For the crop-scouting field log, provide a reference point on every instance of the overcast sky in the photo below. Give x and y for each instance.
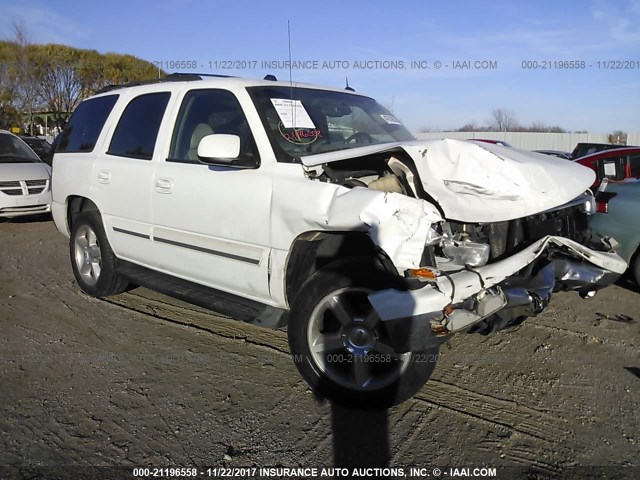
(383, 39)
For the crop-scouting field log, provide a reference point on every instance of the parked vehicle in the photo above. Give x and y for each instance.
(555, 153)
(41, 147)
(316, 207)
(502, 143)
(25, 182)
(617, 207)
(618, 164)
(584, 149)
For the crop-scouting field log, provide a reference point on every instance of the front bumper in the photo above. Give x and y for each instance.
(19, 206)
(457, 301)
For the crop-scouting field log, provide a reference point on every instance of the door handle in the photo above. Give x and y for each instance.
(104, 176)
(164, 185)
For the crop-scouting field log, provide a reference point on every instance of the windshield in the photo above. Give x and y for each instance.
(14, 150)
(304, 121)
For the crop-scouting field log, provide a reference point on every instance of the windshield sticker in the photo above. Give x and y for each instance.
(299, 136)
(390, 119)
(292, 113)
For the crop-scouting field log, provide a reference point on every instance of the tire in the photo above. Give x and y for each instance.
(92, 260)
(636, 269)
(342, 349)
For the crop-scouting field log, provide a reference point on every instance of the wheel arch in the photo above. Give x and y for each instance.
(77, 204)
(314, 251)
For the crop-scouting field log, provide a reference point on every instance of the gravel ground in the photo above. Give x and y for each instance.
(141, 379)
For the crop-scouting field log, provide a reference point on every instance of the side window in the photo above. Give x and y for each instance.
(85, 125)
(634, 166)
(137, 131)
(206, 112)
(611, 168)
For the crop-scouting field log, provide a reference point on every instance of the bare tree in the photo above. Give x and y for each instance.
(617, 137)
(469, 127)
(503, 120)
(60, 87)
(25, 71)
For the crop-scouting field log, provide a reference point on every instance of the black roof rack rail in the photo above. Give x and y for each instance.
(172, 77)
(215, 75)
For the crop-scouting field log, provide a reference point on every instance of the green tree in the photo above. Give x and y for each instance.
(56, 78)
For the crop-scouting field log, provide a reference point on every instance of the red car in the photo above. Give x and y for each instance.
(502, 143)
(618, 164)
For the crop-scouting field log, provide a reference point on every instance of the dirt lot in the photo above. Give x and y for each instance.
(144, 380)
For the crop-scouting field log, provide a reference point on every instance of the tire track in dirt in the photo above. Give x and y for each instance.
(479, 407)
(485, 408)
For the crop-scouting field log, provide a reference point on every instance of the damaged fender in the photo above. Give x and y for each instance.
(399, 225)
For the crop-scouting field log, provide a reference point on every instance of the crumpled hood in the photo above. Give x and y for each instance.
(483, 183)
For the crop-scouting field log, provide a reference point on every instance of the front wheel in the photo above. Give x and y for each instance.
(343, 350)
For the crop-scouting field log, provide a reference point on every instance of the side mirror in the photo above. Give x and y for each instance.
(221, 147)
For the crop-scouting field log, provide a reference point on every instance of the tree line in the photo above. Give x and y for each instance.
(504, 120)
(53, 78)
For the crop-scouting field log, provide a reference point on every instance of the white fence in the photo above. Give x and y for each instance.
(532, 141)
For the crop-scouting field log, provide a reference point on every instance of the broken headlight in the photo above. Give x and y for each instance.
(466, 252)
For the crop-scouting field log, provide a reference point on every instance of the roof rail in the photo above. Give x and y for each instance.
(216, 75)
(172, 77)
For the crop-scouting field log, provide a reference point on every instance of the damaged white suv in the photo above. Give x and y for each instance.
(291, 204)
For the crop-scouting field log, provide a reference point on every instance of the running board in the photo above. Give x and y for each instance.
(222, 302)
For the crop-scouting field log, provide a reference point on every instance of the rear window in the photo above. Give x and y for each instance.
(85, 125)
(137, 130)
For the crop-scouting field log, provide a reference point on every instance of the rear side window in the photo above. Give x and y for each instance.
(611, 168)
(634, 166)
(137, 131)
(85, 125)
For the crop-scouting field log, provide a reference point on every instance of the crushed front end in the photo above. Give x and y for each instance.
(482, 235)
(486, 277)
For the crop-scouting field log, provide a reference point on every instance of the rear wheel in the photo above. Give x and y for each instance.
(342, 348)
(92, 260)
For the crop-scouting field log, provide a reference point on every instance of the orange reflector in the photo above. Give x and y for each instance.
(422, 272)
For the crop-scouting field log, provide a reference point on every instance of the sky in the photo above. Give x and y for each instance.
(437, 65)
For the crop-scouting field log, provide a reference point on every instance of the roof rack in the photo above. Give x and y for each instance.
(172, 77)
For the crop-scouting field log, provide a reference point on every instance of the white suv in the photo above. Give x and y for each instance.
(292, 204)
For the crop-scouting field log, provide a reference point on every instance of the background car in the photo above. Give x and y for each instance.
(555, 153)
(502, 143)
(617, 206)
(618, 164)
(583, 149)
(43, 149)
(25, 181)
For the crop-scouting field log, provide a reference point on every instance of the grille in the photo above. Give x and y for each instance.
(35, 186)
(23, 187)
